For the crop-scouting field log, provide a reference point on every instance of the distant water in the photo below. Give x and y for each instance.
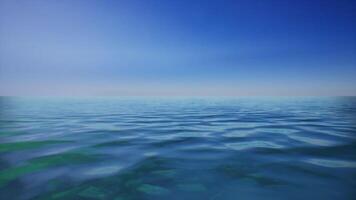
(178, 148)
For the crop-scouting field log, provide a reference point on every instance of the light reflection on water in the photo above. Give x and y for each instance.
(177, 148)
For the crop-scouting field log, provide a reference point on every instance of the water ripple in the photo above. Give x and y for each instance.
(177, 148)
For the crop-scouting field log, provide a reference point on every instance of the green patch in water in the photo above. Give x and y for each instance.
(64, 194)
(10, 174)
(235, 171)
(192, 187)
(10, 133)
(132, 183)
(41, 163)
(119, 198)
(243, 172)
(93, 192)
(152, 189)
(63, 159)
(165, 173)
(127, 185)
(17, 146)
(265, 181)
(53, 184)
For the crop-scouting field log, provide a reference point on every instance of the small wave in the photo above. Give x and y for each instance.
(332, 163)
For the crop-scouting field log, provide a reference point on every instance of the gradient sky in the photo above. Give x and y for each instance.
(182, 47)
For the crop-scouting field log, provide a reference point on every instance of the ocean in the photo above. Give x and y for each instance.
(178, 148)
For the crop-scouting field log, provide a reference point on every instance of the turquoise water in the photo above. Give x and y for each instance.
(178, 148)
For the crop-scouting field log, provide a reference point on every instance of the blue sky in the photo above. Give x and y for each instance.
(185, 47)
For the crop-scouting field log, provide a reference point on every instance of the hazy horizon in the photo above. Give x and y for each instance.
(177, 48)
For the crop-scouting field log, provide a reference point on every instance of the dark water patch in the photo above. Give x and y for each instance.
(249, 173)
(114, 143)
(177, 141)
(346, 151)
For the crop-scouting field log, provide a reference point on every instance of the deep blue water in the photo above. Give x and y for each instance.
(178, 148)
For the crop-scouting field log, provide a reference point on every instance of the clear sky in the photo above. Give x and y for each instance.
(177, 47)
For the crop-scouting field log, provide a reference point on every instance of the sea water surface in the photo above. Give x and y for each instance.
(178, 148)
